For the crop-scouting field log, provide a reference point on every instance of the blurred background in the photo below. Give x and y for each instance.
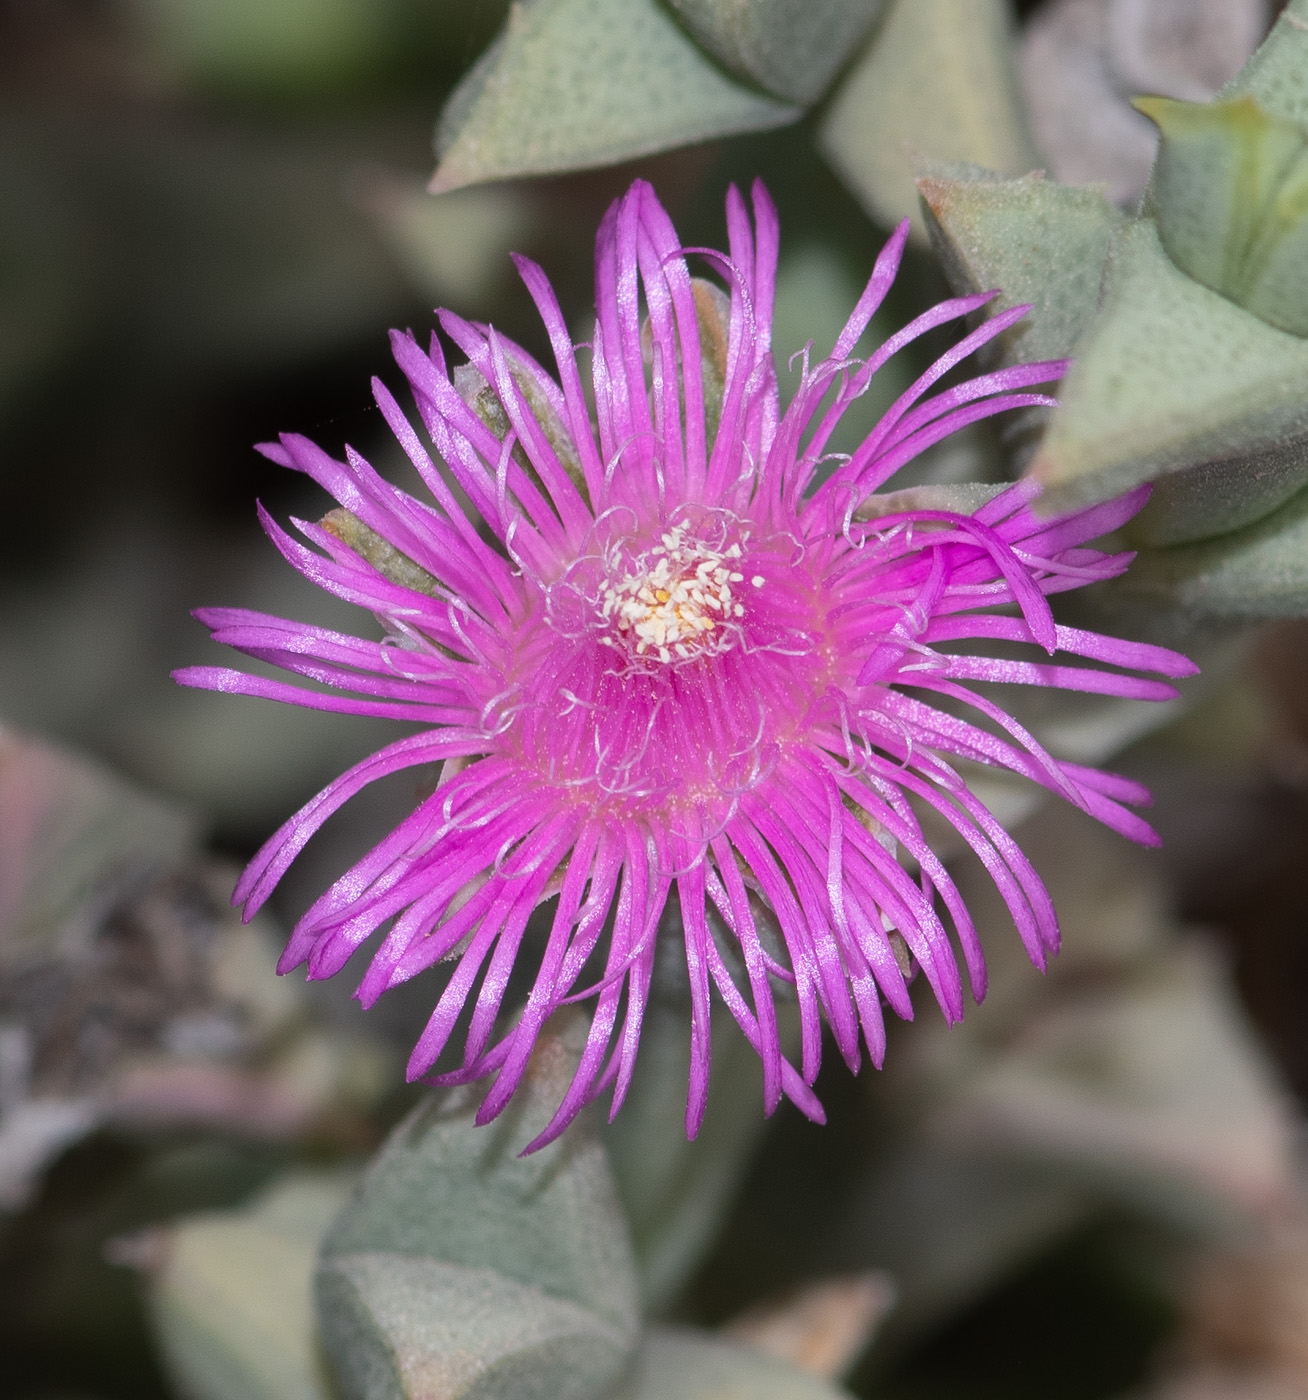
(211, 211)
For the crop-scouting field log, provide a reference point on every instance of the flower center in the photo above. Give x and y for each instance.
(677, 601)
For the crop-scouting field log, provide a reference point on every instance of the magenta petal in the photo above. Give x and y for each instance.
(640, 655)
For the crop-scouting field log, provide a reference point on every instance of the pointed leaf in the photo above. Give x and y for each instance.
(684, 1365)
(1230, 196)
(936, 84)
(966, 497)
(392, 564)
(1037, 241)
(457, 1256)
(443, 1188)
(1172, 376)
(1277, 75)
(576, 83)
(790, 47)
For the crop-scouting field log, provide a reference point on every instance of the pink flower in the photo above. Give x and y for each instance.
(662, 652)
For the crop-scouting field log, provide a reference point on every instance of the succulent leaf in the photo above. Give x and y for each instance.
(1041, 242)
(1252, 574)
(420, 1329)
(793, 48)
(459, 1259)
(1230, 196)
(576, 83)
(1215, 498)
(1172, 376)
(345, 526)
(937, 83)
(1277, 74)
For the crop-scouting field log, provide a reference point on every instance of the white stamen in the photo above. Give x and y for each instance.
(675, 598)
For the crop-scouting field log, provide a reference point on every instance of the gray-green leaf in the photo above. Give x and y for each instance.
(389, 562)
(966, 497)
(448, 1215)
(1255, 573)
(1035, 240)
(790, 47)
(419, 1329)
(1277, 75)
(936, 83)
(1173, 376)
(576, 83)
(1230, 196)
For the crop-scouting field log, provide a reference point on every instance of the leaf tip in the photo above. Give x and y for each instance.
(449, 177)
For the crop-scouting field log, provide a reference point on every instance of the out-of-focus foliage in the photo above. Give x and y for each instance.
(231, 1294)
(683, 1365)
(130, 994)
(1128, 1074)
(824, 1326)
(213, 210)
(269, 44)
(676, 1193)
